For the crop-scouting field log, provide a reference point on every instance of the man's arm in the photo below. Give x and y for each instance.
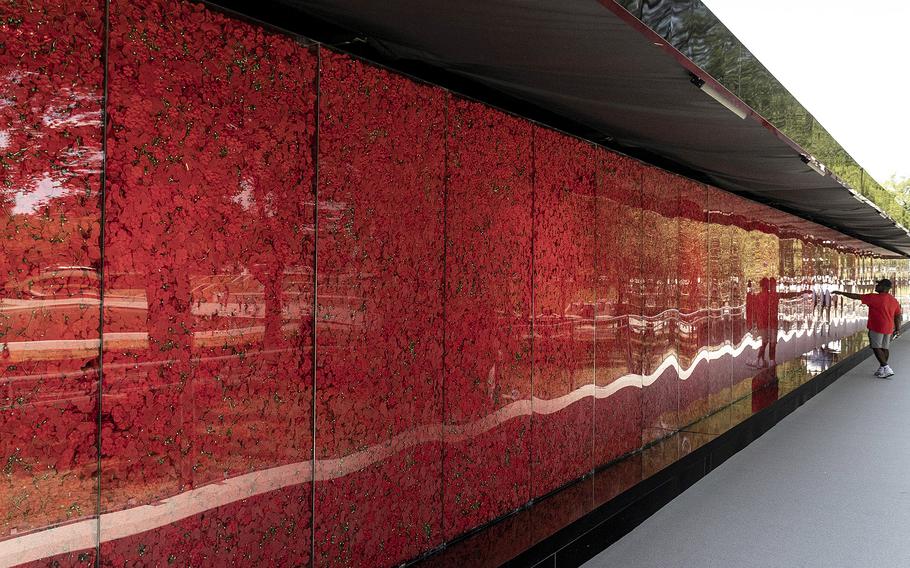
(897, 324)
(789, 295)
(848, 295)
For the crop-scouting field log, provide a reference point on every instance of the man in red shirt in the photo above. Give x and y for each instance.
(884, 322)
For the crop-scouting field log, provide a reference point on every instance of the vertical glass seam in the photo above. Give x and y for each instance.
(677, 301)
(105, 53)
(595, 256)
(531, 493)
(315, 150)
(640, 307)
(444, 290)
(709, 285)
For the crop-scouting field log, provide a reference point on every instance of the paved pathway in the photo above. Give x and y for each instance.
(829, 486)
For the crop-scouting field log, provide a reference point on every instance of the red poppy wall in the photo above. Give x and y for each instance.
(51, 85)
(379, 331)
(208, 312)
(269, 304)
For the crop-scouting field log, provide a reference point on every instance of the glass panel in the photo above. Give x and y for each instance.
(659, 246)
(617, 404)
(658, 303)
(660, 454)
(744, 349)
(565, 172)
(791, 290)
(51, 83)
(720, 271)
(380, 328)
(488, 316)
(206, 441)
(760, 261)
(694, 326)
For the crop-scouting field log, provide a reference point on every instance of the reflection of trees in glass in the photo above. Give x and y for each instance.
(690, 26)
(760, 256)
(900, 187)
(50, 151)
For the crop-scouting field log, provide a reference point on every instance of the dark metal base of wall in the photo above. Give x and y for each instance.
(591, 534)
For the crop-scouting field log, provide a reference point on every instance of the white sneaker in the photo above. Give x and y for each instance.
(887, 371)
(879, 372)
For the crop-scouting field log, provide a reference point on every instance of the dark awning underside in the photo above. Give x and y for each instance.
(596, 65)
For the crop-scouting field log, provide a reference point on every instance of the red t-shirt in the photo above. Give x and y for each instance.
(882, 309)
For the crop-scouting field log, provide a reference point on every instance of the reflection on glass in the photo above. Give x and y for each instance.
(207, 399)
(488, 298)
(659, 249)
(565, 307)
(617, 402)
(50, 218)
(690, 27)
(379, 327)
(498, 309)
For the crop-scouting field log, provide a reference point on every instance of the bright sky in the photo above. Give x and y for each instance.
(847, 62)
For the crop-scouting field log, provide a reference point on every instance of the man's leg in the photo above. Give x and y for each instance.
(881, 355)
(887, 371)
(760, 356)
(772, 344)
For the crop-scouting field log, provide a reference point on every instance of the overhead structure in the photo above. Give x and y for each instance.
(595, 64)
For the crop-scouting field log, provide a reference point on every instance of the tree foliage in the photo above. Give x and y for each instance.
(900, 188)
(693, 29)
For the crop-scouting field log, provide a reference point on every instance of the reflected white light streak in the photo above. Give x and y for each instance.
(127, 522)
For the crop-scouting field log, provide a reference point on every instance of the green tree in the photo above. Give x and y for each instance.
(900, 188)
(693, 29)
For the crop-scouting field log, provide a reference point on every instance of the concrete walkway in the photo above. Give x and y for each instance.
(829, 486)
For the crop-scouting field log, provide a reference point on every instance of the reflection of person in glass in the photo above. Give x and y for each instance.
(824, 300)
(765, 388)
(762, 316)
(884, 322)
